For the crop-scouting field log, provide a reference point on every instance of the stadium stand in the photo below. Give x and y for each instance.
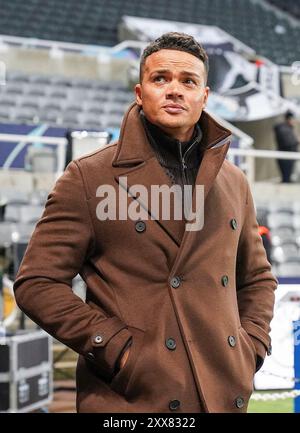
(60, 101)
(283, 220)
(290, 6)
(96, 21)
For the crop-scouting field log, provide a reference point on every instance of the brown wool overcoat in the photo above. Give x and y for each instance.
(197, 304)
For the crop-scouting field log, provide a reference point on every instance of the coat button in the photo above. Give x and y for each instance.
(171, 343)
(98, 339)
(174, 404)
(233, 223)
(175, 282)
(269, 351)
(140, 226)
(90, 355)
(231, 341)
(225, 280)
(239, 402)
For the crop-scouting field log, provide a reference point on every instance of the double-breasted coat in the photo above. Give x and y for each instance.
(196, 304)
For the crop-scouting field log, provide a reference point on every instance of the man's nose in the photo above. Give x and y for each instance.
(174, 89)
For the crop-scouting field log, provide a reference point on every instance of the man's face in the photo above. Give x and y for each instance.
(173, 92)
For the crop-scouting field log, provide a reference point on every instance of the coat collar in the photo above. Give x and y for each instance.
(135, 159)
(169, 150)
(133, 145)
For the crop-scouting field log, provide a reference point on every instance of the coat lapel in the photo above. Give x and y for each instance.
(211, 163)
(148, 174)
(210, 166)
(136, 164)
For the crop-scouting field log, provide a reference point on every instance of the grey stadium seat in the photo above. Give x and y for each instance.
(284, 252)
(276, 220)
(289, 269)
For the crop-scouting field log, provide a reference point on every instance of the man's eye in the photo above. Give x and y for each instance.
(159, 79)
(189, 81)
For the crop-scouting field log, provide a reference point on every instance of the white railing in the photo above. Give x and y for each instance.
(249, 155)
(58, 48)
(6, 40)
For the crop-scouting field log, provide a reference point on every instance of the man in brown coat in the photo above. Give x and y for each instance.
(177, 314)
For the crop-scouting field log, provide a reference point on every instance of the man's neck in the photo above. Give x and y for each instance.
(181, 136)
(170, 150)
(167, 133)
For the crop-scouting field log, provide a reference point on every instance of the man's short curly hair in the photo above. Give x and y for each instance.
(175, 41)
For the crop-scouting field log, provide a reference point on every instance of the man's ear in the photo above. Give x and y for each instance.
(206, 93)
(138, 94)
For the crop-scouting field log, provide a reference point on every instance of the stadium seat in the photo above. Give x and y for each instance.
(6, 230)
(56, 100)
(41, 160)
(289, 269)
(249, 21)
(12, 213)
(285, 252)
(276, 220)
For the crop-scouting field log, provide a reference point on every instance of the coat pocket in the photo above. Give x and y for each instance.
(121, 380)
(246, 337)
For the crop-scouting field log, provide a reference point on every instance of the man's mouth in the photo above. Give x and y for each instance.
(173, 108)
